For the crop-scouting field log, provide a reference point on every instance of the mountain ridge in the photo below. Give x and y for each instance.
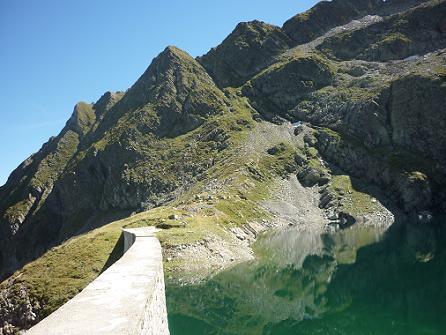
(173, 80)
(209, 139)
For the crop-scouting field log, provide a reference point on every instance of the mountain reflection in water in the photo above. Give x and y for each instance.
(355, 281)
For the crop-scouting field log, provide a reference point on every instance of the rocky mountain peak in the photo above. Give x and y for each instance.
(173, 71)
(248, 49)
(173, 95)
(255, 27)
(82, 119)
(173, 51)
(106, 101)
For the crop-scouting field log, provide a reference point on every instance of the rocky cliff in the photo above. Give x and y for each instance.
(362, 81)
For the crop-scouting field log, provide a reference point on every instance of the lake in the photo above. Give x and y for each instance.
(353, 281)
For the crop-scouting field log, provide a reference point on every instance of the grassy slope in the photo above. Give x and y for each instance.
(65, 270)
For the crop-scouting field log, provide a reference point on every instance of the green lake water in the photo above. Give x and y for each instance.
(355, 281)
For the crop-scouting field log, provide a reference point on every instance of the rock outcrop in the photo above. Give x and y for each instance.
(285, 83)
(251, 47)
(414, 32)
(325, 15)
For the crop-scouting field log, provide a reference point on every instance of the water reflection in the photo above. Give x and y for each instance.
(355, 281)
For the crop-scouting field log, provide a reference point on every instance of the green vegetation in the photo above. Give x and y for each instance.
(354, 201)
(250, 47)
(63, 271)
(83, 118)
(392, 38)
(395, 37)
(440, 70)
(53, 165)
(43, 170)
(303, 60)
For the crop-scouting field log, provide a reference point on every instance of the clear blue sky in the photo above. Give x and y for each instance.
(55, 53)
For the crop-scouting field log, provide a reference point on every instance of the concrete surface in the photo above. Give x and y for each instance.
(128, 298)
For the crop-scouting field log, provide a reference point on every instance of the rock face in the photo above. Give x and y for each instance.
(410, 188)
(17, 309)
(283, 84)
(414, 32)
(313, 23)
(175, 92)
(417, 115)
(31, 184)
(248, 49)
(374, 95)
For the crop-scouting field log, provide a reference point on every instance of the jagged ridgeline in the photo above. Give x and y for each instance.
(129, 151)
(367, 76)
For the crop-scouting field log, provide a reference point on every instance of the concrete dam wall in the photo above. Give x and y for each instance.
(128, 298)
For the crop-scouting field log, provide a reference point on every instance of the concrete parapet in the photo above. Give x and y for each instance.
(127, 299)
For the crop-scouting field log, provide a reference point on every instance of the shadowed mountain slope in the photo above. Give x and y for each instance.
(118, 155)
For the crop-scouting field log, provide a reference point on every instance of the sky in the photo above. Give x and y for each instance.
(56, 53)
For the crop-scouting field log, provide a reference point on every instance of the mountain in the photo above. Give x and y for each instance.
(106, 158)
(248, 49)
(326, 15)
(208, 144)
